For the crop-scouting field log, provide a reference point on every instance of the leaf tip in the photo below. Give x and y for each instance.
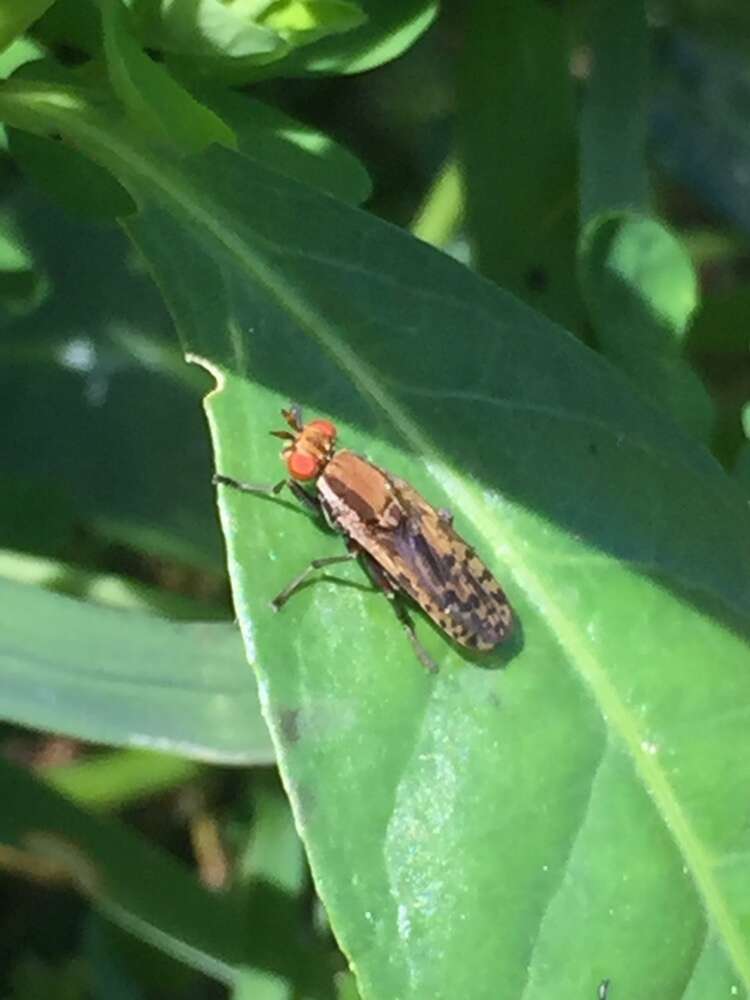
(211, 368)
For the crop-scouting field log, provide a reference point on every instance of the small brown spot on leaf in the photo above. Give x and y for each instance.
(289, 724)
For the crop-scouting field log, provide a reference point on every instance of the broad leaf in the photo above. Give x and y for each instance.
(613, 122)
(109, 589)
(575, 816)
(75, 182)
(638, 280)
(21, 51)
(642, 290)
(151, 96)
(390, 28)
(305, 21)
(289, 146)
(15, 18)
(116, 779)
(95, 390)
(127, 678)
(521, 176)
(22, 288)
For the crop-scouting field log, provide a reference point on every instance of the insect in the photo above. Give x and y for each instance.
(407, 546)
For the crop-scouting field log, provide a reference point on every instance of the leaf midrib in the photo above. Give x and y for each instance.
(572, 639)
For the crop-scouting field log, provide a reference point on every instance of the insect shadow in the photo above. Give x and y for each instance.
(498, 659)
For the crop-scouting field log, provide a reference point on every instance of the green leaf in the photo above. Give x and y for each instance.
(642, 291)
(613, 122)
(16, 17)
(630, 262)
(636, 277)
(117, 779)
(273, 851)
(125, 967)
(289, 146)
(103, 588)
(391, 27)
(19, 52)
(151, 96)
(518, 143)
(208, 28)
(303, 21)
(346, 986)
(575, 816)
(77, 184)
(73, 24)
(82, 457)
(137, 886)
(22, 286)
(441, 213)
(252, 984)
(226, 41)
(127, 679)
(271, 875)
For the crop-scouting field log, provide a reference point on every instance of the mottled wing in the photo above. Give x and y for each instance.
(418, 548)
(456, 589)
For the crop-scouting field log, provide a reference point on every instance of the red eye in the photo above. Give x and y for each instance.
(302, 466)
(325, 427)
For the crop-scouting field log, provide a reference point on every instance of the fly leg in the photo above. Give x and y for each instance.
(261, 491)
(393, 593)
(280, 600)
(376, 573)
(405, 618)
(312, 503)
(306, 499)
